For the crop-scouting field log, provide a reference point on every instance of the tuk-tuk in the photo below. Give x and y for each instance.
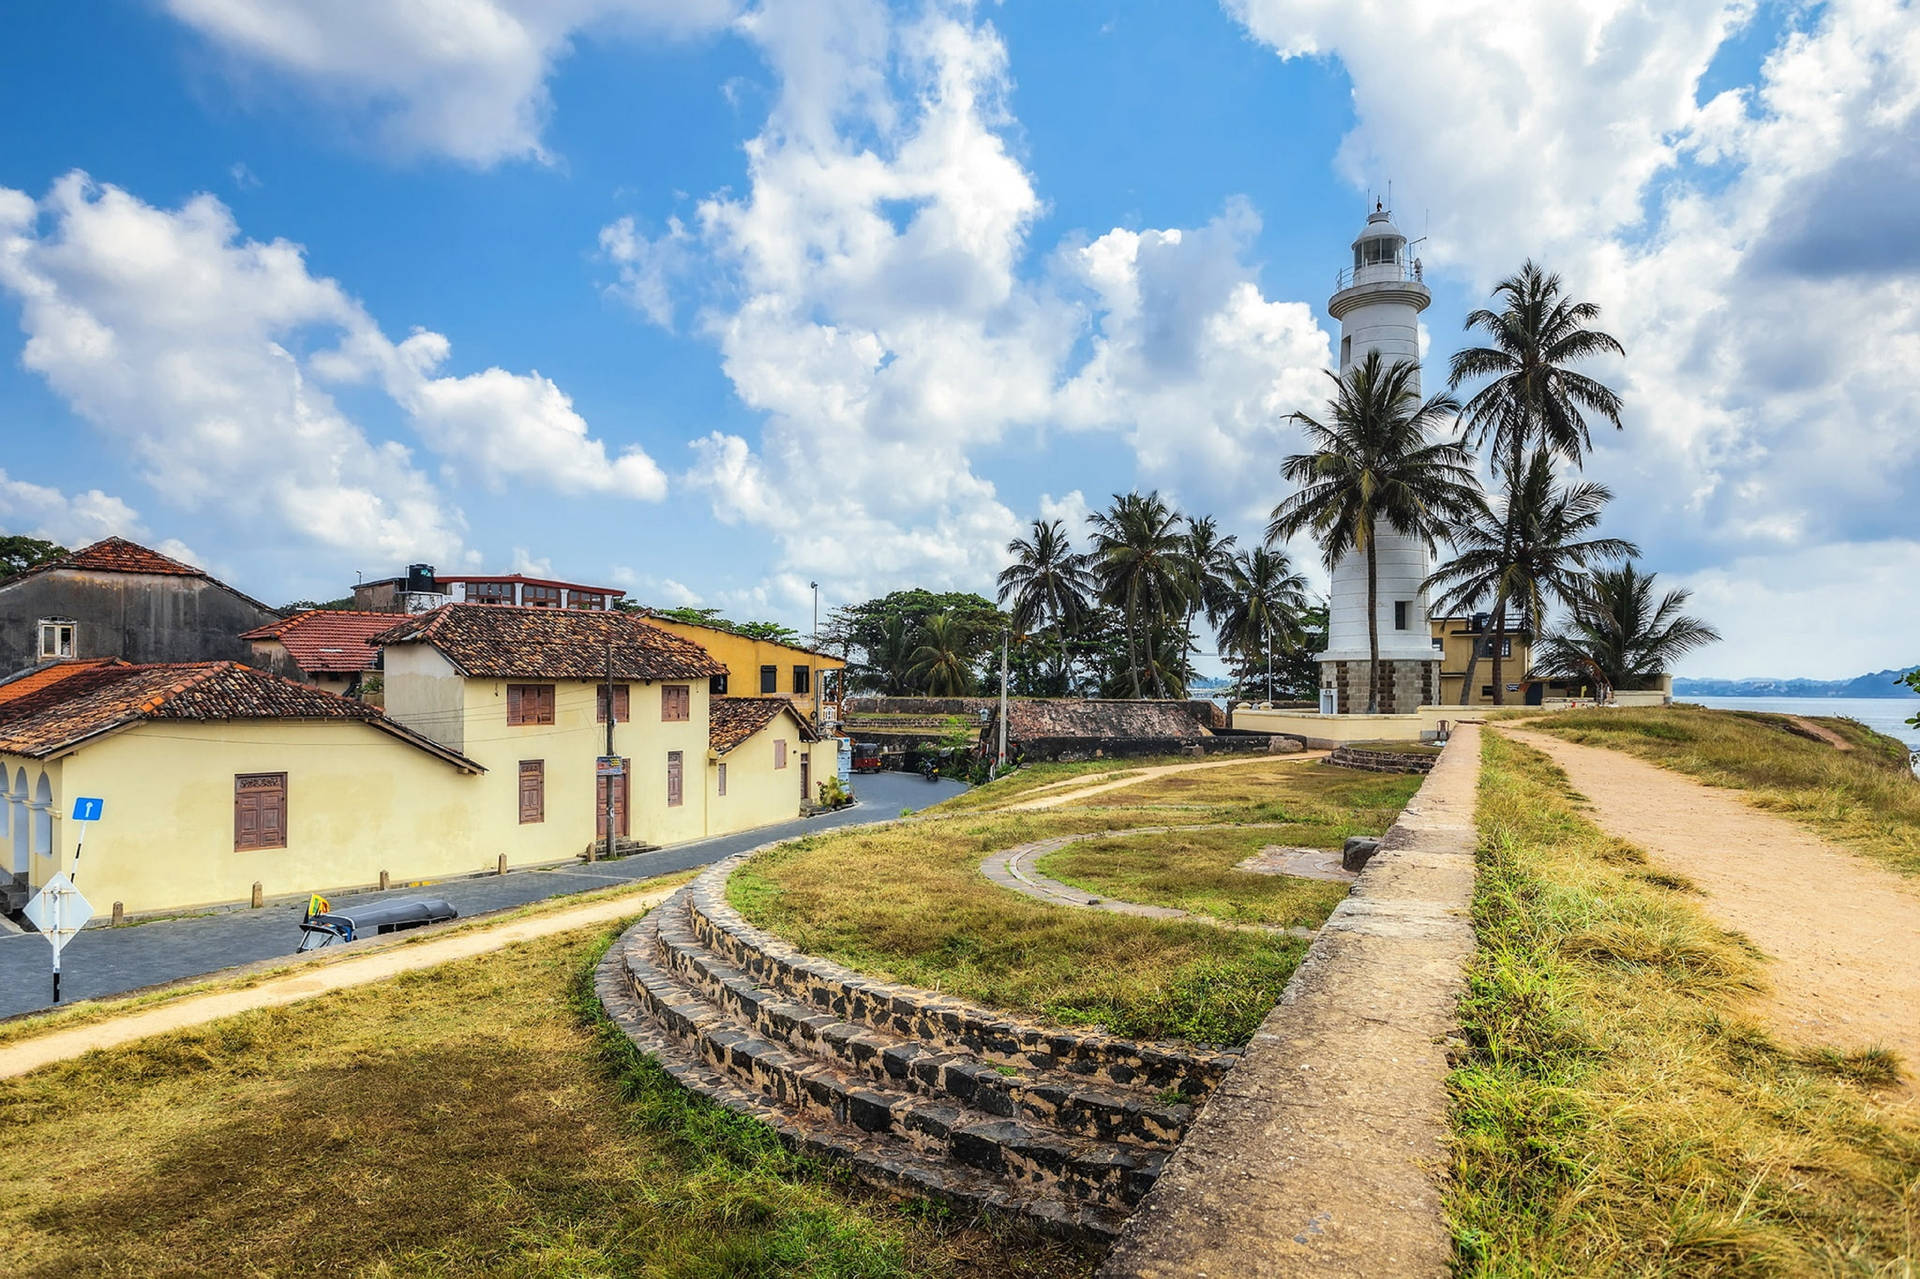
(375, 919)
(866, 757)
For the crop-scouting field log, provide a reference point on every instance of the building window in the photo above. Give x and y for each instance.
(489, 592)
(586, 599)
(540, 596)
(723, 779)
(533, 791)
(779, 752)
(676, 703)
(620, 704)
(529, 703)
(769, 679)
(1400, 610)
(56, 639)
(802, 679)
(259, 811)
(717, 686)
(676, 777)
(1506, 646)
(1346, 350)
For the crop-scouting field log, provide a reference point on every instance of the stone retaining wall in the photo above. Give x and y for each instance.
(1378, 761)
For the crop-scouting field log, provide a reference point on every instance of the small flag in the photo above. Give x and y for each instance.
(318, 905)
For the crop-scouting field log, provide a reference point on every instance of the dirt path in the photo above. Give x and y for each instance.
(30, 1054)
(1084, 787)
(1844, 933)
(1814, 728)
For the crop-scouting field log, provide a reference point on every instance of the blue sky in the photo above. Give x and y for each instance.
(714, 299)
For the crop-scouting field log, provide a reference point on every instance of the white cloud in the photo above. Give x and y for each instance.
(188, 346)
(884, 311)
(38, 510)
(1071, 509)
(460, 78)
(1830, 611)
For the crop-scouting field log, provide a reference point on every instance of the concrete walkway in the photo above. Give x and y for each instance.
(1322, 1152)
(113, 961)
(1015, 868)
(320, 978)
(1055, 794)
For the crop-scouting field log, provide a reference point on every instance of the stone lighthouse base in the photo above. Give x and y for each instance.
(1406, 684)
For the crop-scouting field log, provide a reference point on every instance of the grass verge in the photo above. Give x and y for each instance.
(1023, 781)
(1193, 870)
(474, 1118)
(1614, 1112)
(1866, 798)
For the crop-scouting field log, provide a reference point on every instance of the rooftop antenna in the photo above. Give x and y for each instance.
(1389, 195)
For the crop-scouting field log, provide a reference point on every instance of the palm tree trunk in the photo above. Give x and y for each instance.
(1499, 629)
(1473, 663)
(1133, 658)
(1373, 631)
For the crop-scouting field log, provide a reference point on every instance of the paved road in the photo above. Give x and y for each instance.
(106, 961)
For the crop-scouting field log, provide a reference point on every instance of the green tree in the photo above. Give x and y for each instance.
(1261, 607)
(943, 663)
(1141, 564)
(18, 553)
(1375, 461)
(1210, 555)
(1051, 590)
(1535, 548)
(1912, 680)
(1532, 398)
(877, 637)
(1619, 637)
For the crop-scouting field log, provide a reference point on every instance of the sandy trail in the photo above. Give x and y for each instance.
(1844, 933)
(1086, 787)
(30, 1054)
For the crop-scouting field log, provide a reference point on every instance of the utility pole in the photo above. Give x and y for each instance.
(1269, 661)
(1005, 635)
(813, 647)
(610, 755)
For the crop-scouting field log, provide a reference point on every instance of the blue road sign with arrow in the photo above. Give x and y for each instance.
(87, 810)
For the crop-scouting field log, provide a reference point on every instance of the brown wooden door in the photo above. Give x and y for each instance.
(676, 777)
(806, 778)
(620, 792)
(259, 811)
(533, 790)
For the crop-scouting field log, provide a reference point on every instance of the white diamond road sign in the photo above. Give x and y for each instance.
(58, 910)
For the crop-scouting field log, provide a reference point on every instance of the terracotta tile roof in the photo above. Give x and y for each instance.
(37, 678)
(327, 640)
(1030, 719)
(103, 698)
(732, 720)
(118, 555)
(496, 641)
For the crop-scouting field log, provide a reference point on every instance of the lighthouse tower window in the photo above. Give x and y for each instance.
(1400, 611)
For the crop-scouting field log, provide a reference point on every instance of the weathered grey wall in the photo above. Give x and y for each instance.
(141, 617)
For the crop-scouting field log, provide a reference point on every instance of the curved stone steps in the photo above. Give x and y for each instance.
(939, 1020)
(896, 1167)
(893, 1060)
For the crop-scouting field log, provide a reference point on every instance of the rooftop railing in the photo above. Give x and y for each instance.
(1379, 273)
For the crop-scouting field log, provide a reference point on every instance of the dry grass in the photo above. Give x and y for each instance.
(908, 903)
(475, 1118)
(1615, 1113)
(1193, 870)
(1867, 798)
(1023, 781)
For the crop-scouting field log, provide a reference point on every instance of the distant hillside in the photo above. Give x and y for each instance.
(1878, 684)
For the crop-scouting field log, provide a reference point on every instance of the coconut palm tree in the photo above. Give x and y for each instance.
(1050, 585)
(1264, 599)
(1532, 398)
(1141, 564)
(942, 664)
(1211, 556)
(1535, 548)
(1375, 461)
(1619, 637)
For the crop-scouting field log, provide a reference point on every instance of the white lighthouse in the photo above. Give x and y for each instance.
(1378, 303)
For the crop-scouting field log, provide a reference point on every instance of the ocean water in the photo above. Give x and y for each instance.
(1887, 715)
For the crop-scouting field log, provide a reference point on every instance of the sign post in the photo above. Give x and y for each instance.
(59, 911)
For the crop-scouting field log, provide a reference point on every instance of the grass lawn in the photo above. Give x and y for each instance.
(908, 903)
(1614, 1112)
(1866, 798)
(475, 1118)
(1193, 870)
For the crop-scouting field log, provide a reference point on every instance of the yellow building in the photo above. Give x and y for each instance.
(1458, 637)
(217, 776)
(758, 667)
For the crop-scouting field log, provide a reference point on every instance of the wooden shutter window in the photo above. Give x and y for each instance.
(529, 704)
(259, 811)
(779, 752)
(676, 703)
(621, 704)
(801, 681)
(769, 679)
(723, 779)
(533, 791)
(676, 776)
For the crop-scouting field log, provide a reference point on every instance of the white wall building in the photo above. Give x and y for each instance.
(1378, 303)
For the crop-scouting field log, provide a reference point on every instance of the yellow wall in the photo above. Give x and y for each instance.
(359, 801)
(743, 658)
(1458, 650)
(758, 794)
